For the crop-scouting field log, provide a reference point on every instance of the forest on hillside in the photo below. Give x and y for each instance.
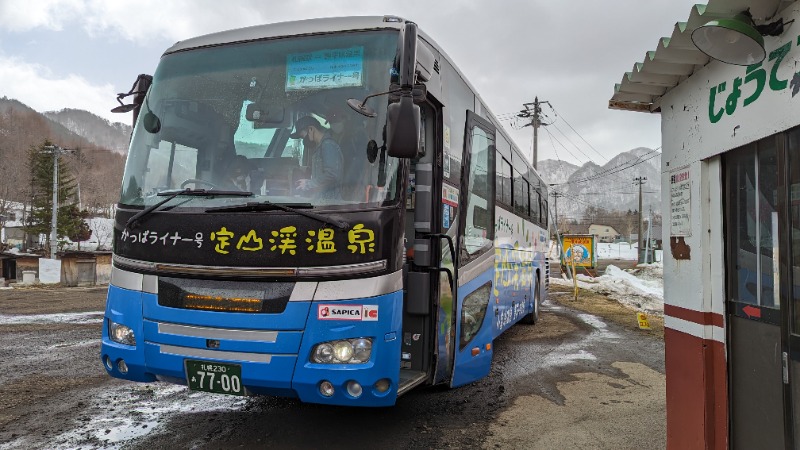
(97, 169)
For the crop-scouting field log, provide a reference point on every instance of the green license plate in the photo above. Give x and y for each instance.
(219, 378)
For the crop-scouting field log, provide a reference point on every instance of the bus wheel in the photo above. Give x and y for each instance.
(532, 318)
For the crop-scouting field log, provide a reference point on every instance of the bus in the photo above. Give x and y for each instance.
(230, 278)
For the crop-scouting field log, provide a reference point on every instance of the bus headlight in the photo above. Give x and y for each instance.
(121, 334)
(345, 351)
(323, 353)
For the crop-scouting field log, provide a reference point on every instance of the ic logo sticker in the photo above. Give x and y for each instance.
(370, 313)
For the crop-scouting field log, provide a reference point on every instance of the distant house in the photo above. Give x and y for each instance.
(604, 233)
(12, 231)
(574, 228)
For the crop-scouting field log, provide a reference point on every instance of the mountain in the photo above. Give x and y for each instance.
(98, 168)
(557, 172)
(591, 188)
(113, 136)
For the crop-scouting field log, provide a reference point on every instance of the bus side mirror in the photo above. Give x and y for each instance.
(402, 129)
(138, 91)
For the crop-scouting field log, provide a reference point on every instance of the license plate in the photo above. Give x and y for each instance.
(219, 378)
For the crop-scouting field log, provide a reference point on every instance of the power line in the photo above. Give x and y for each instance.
(554, 148)
(579, 135)
(559, 143)
(568, 140)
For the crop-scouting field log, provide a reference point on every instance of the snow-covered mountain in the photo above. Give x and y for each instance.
(113, 136)
(610, 186)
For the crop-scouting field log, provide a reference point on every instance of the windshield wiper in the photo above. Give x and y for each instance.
(268, 206)
(137, 218)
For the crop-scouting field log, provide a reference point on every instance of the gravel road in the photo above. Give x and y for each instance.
(584, 377)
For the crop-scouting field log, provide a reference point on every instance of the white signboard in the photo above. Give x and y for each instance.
(325, 69)
(680, 183)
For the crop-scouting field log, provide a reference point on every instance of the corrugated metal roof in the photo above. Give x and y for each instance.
(676, 58)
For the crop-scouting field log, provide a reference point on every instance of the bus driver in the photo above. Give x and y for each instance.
(326, 160)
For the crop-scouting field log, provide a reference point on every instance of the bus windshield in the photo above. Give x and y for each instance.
(236, 117)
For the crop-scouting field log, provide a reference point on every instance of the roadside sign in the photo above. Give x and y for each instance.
(644, 324)
(580, 248)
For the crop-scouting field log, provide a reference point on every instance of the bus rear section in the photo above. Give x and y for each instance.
(334, 342)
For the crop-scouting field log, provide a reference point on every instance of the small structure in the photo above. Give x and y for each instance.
(26, 262)
(604, 233)
(85, 268)
(8, 267)
(730, 177)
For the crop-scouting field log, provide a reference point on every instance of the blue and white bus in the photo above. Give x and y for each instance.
(230, 279)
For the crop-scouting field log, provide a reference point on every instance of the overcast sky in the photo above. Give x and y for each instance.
(58, 54)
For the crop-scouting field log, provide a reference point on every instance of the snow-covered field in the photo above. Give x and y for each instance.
(641, 288)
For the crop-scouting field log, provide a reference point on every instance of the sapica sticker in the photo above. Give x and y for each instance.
(347, 312)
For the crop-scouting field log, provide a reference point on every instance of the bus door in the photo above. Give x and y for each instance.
(475, 257)
(419, 308)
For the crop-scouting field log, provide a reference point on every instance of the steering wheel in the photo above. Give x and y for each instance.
(197, 181)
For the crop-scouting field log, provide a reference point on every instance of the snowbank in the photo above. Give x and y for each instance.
(641, 288)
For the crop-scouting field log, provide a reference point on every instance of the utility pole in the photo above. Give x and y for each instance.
(640, 181)
(533, 111)
(55, 150)
(647, 258)
(556, 195)
(54, 220)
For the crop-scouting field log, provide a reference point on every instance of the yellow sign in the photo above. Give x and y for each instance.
(644, 324)
(579, 249)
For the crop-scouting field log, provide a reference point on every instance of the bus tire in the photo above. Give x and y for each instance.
(533, 317)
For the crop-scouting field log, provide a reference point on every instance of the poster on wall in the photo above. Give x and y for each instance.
(680, 183)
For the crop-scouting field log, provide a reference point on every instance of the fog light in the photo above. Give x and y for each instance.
(123, 368)
(382, 385)
(354, 389)
(326, 388)
(121, 334)
(109, 364)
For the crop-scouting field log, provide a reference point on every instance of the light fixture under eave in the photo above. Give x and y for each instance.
(732, 41)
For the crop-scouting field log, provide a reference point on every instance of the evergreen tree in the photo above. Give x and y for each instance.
(40, 167)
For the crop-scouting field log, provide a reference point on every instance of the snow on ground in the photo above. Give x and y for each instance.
(619, 250)
(641, 288)
(139, 410)
(83, 317)
(130, 411)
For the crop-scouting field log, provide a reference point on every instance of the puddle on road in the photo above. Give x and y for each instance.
(76, 318)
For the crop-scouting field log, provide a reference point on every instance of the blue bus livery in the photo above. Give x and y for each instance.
(320, 209)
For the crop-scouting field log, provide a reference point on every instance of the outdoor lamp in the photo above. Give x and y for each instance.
(736, 40)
